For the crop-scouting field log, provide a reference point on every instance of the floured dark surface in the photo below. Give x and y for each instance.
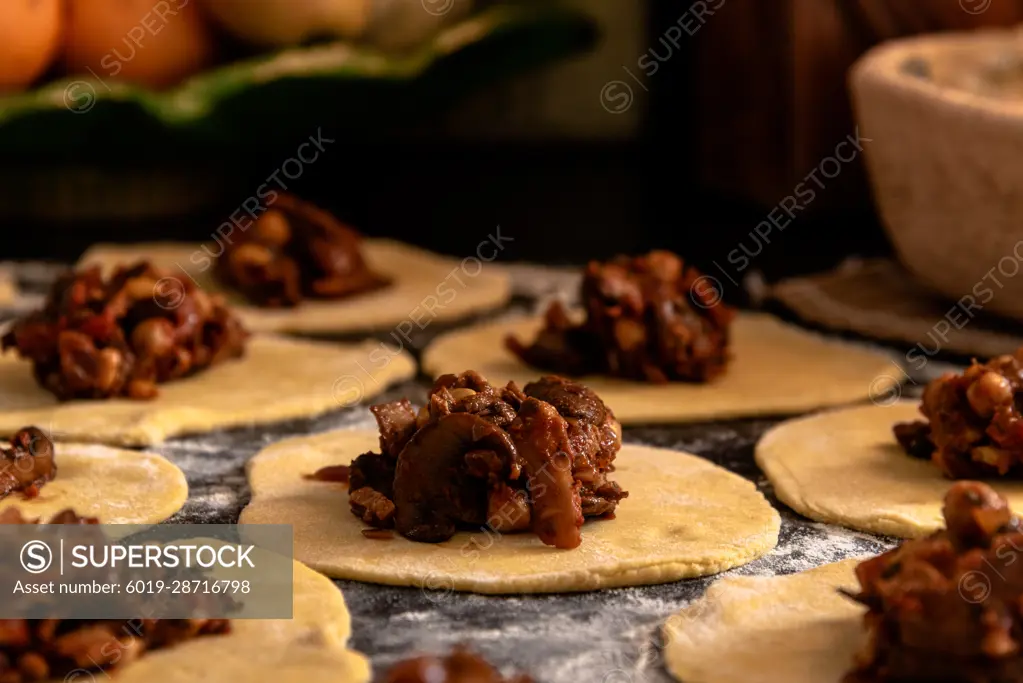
(605, 637)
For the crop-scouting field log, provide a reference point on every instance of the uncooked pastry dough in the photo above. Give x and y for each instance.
(117, 486)
(684, 517)
(777, 369)
(309, 648)
(426, 288)
(780, 629)
(8, 289)
(845, 467)
(278, 379)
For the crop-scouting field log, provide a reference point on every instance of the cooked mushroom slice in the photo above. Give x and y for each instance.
(433, 489)
(541, 438)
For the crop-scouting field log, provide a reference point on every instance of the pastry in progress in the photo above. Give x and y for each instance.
(41, 479)
(424, 288)
(277, 379)
(941, 608)
(777, 368)
(845, 467)
(780, 629)
(973, 427)
(309, 648)
(648, 318)
(466, 522)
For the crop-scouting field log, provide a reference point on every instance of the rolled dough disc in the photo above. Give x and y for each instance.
(117, 486)
(684, 517)
(277, 379)
(845, 467)
(780, 629)
(309, 648)
(426, 288)
(8, 288)
(777, 369)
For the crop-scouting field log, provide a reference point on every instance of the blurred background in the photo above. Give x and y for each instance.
(583, 128)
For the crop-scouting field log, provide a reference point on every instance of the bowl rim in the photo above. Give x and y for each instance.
(882, 65)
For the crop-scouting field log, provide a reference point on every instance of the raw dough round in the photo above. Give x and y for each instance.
(8, 288)
(845, 467)
(426, 288)
(278, 379)
(309, 648)
(117, 486)
(684, 517)
(780, 629)
(777, 369)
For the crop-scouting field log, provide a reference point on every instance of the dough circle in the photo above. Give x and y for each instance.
(309, 648)
(777, 369)
(845, 467)
(8, 288)
(684, 517)
(779, 629)
(117, 486)
(426, 288)
(277, 379)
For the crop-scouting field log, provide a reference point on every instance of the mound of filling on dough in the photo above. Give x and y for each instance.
(974, 429)
(948, 607)
(481, 456)
(461, 666)
(295, 251)
(650, 318)
(119, 336)
(34, 650)
(28, 464)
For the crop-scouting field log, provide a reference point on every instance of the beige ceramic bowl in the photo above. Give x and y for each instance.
(944, 115)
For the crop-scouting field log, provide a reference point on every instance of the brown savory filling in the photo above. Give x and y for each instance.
(948, 607)
(34, 650)
(296, 251)
(103, 337)
(461, 666)
(480, 456)
(650, 318)
(974, 428)
(27, 464)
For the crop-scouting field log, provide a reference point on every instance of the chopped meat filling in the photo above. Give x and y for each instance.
(974, 428)
(296, 251)
(948, 607)
(35, 650)
(461, 666)
(650, 318)
(120, 336)
(27, 464)
(481, 456)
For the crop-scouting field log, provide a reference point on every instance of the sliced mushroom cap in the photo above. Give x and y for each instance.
(433, 492)
(541, 439)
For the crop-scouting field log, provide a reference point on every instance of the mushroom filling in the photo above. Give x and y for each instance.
(119, 336)
(33, 650)
(478, 456)
(27, 464)
(974, 427)
(947, 607)
(461, 666)
(295, 251)
(650, 318)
